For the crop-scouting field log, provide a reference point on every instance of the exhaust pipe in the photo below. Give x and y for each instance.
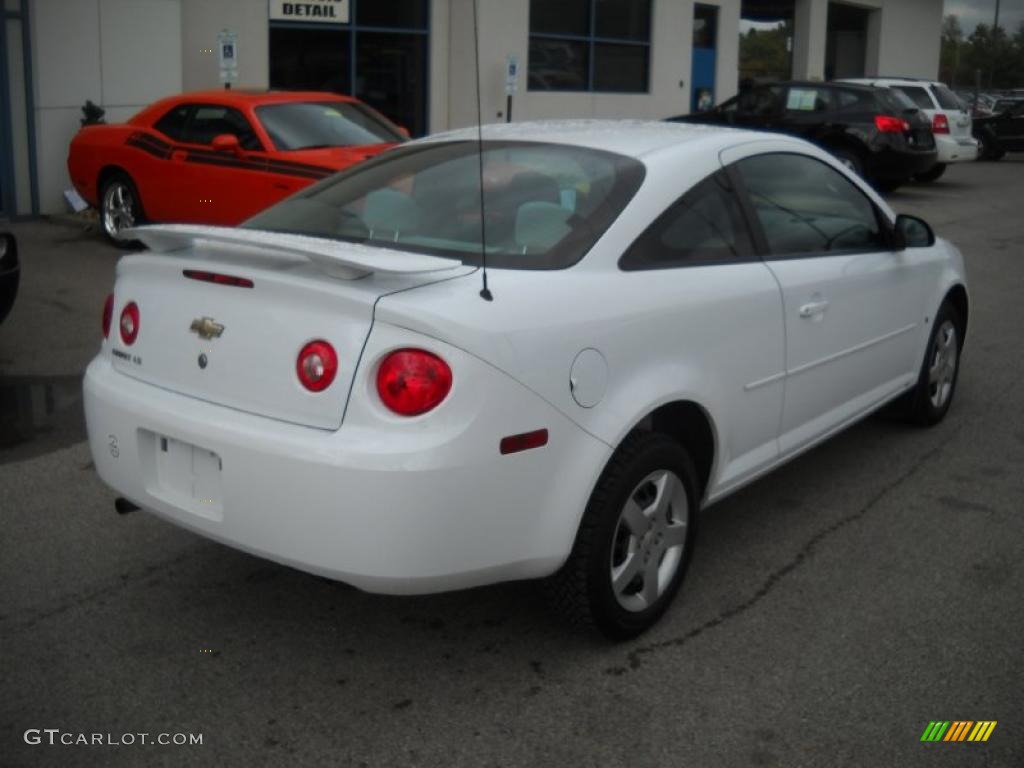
(122, 506)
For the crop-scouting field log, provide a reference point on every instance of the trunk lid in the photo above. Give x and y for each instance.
(251, 364)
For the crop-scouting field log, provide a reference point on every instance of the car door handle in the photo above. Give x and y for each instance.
(813, 308)
(179, 155)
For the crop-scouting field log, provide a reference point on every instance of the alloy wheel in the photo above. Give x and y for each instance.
(942, 371)
(649, 540)
(118, 208)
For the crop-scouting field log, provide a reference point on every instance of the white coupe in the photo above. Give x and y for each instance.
(672, 312)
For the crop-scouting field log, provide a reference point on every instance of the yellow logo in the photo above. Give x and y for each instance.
(206, 328)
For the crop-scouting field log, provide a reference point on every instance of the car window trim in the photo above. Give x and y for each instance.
(755, 255)
(740, 188)
(193, 108)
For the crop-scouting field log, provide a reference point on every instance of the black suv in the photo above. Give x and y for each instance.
(877, 132)
(1002, 131)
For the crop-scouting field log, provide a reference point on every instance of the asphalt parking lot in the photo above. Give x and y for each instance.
(833, 608)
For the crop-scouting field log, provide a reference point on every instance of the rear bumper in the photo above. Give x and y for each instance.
(955, 150)
(407, 510)
(898, 164)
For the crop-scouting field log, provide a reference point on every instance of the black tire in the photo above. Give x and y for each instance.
(850, 158)
(932, 173)
(988, 148)
(583, 589)
(119, 194)
(920, 405)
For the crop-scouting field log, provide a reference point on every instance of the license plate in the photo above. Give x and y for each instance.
(188, 476)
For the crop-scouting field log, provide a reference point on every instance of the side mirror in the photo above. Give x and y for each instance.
(226, 142)
(912, 232)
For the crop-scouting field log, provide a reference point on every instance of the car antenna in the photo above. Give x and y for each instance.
(485, 292)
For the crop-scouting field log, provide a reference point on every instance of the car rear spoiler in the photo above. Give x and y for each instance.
(343, 260)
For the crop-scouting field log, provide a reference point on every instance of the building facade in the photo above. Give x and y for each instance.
(415, 60)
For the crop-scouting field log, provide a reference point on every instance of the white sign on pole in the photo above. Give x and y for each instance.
(227, 49)
(511, 74)
(321, 11)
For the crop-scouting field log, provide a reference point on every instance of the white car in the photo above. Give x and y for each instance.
(951, 121)
(672, 312)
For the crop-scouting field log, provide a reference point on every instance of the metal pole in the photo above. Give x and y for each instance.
(995, 24)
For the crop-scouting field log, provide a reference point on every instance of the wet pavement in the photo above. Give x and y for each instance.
(39, 415)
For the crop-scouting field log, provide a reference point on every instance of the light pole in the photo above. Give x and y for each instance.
(995, 24)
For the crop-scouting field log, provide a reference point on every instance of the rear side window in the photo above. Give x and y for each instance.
(946, 98)
(806, 207)
(173, 123)
(917, 94)
(850, 100)
(212, 120)
(704, 226)
(808, 99)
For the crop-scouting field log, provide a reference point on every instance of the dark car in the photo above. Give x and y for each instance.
(876, 132)
(9, 273)
(1002, 131)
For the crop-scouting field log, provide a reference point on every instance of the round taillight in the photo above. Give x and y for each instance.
(412, 381)
(317, 365)
(130, 323)
(108, 315)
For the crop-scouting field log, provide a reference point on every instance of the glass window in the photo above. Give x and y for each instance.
(212, 120)
(806, 207)
(407, 14)
(172, 125)
(946, 98)
(705, 32)
(310, 59)
(308, 125)
(560, 17)
(622, 19)
(589, 45)
(896, 101)
(803, 99)
(705, 225)
(918, 94)
(391, 76)
(757, 102)
(620, 67)
(851, 100)
(558, 65)
(545, 205)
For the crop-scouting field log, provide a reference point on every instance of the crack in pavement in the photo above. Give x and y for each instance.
(635, 656)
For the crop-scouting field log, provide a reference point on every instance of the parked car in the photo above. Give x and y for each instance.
(218, 157)
(673, 312)
(978, 104)
(10, 273)
(872, 131)
(1003, 131)
(951, 122)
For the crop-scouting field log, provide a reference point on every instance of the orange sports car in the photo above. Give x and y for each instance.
(218, 157)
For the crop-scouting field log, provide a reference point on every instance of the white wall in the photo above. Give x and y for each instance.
(120, 54)
(909, 38)
(504, 29)
(201, 20)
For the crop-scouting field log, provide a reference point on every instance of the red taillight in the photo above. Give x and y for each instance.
(317, 366)
(130, 323)
(217, 277)
(890, 124)
(108, 315)
(413, 381)
(523, 442)
(940, 124)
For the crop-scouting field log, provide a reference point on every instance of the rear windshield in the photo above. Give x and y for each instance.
(895, 102)
(545, 204)
(918, 94)
(946, 98)
(313, 124)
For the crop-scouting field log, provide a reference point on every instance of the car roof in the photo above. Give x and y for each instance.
(886, 80)
(241, 97)
(632, 138)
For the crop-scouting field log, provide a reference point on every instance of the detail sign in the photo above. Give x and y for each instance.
(321, 11)
(511, 74)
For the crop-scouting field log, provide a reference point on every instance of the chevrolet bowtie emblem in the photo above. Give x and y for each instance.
(206, 328)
